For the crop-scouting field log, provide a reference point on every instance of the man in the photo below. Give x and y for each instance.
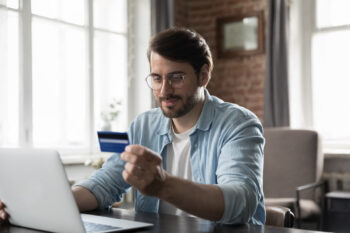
(195, 154)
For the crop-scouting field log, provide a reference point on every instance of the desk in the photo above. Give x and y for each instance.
(175, 224)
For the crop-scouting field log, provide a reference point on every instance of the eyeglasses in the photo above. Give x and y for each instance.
(175, 80)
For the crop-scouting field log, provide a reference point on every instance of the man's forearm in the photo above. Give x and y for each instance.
(85, 199)
(202, 200)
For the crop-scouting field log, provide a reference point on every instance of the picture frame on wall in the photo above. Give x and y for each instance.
(240, 35)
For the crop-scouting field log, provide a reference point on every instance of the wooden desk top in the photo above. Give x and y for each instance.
(174, 224)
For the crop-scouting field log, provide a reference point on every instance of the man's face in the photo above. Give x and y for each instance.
(175, 102)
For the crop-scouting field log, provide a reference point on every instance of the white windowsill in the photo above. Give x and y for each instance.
(337, 153)
(80, 159)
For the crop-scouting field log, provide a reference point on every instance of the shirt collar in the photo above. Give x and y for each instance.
(204, 122)
(207, 115)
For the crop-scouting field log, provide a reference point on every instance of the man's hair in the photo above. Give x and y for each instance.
(182, 45)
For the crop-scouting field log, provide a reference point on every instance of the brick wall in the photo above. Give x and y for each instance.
(240, 79)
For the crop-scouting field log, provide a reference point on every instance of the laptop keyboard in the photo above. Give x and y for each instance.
(95, 227)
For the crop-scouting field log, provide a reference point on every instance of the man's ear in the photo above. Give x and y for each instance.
(204, 76)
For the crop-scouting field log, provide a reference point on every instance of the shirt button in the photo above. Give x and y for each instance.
(195, 145)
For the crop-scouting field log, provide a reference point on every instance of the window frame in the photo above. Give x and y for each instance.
(302, 29)
(25, 74)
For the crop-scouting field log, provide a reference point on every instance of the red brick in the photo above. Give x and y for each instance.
(239, 79)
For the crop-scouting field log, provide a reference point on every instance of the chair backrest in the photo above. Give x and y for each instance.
(291, 158)
(279, 216)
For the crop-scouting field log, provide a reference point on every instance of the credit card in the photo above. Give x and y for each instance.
(112, 141)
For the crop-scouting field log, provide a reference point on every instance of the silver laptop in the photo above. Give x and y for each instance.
(35, 189)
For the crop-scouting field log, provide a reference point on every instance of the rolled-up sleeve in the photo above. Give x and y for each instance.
(107, 183)
(239, 172)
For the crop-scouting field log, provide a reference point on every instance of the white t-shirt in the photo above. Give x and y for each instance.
(178, 164)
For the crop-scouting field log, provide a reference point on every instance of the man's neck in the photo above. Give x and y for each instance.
(184, 123)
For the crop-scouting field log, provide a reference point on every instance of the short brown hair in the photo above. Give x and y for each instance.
(183, 45)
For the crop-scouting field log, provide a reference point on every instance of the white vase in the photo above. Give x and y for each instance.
(106, 126)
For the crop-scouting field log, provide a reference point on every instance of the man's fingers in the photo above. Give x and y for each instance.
(143, 167)
(140, 160)
(133, 158)
(135, 149)
(3, 215)
(137, 160)
(144, 152)
(131, 179)
(134, 170)
(2, 205)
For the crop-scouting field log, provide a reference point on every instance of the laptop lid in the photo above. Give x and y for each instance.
(37, 194)
(34, 187)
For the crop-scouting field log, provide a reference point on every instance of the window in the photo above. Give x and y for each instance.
(320, 71)
(64, 72)
(9, 73)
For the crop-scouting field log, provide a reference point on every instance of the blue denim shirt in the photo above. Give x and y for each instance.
(226, 150)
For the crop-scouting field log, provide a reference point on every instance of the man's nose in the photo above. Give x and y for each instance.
(166, 87)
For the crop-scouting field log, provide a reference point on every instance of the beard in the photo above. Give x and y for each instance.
(188, 104)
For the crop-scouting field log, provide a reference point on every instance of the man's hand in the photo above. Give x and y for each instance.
(143, 169)
(3, 214)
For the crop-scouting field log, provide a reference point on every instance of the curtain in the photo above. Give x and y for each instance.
(162, 15)
(276, 101)
(162, 12)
